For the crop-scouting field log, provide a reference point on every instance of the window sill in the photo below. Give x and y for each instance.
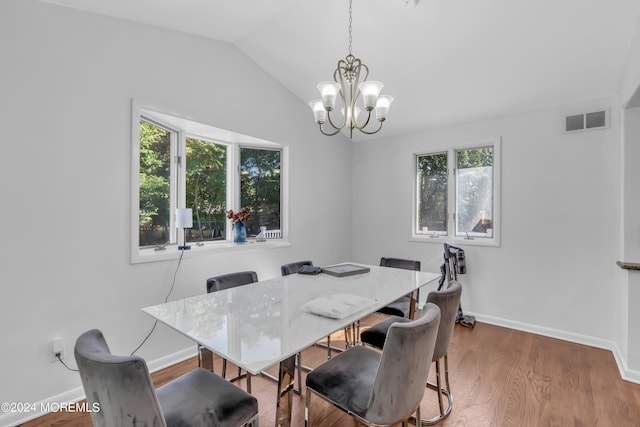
(457, 241)
(172, 252)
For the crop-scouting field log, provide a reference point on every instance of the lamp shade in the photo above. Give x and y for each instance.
(329, 92)
(184, 218)
(382, 107)
(370, 91)
(319, 113)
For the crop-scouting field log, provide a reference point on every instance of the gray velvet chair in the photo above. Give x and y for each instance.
(448, 300)
(293, 267)
(124, 391)
(219, 283)
(400, 307)
(231, 280)
(380, 388)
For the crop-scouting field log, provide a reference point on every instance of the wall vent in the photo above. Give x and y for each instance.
(586, 121)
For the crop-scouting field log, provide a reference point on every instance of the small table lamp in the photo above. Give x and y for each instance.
(184, 220)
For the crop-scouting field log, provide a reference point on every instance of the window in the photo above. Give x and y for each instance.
(457, 194)
(155, 187)
(260, 188)
(206, 189)
(180, 163)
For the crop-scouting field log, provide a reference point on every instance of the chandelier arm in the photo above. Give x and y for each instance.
(328, 133)
(360, 128)
(333, 125)
(371, 133)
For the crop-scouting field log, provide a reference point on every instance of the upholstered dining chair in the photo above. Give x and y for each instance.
(448, 300)
(231, 280)
(293, 267)
(380, 389)
(122, 388)
(402, 306)
(219, 283)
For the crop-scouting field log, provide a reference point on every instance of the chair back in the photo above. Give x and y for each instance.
(406, 264)
(404, 367)
(293, 267)
(448, 300)
(231, 280)
(120, 385)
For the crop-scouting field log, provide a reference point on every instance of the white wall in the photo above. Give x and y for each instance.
(631, 234)
(552, 273)
(628, 282)
(67, 80)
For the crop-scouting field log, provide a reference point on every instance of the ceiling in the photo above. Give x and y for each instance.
(444, 61)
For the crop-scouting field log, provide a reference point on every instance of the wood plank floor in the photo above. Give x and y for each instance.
(499, 377)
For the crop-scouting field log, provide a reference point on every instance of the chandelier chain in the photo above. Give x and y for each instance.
(350, 20)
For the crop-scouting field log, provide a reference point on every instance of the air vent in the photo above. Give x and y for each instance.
(586, 121)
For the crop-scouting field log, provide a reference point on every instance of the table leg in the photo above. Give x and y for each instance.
(415, 298)
(205, 358)
(285, 391)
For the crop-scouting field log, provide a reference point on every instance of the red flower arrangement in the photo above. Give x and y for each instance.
(240, 216)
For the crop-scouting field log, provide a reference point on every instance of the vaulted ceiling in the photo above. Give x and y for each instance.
(444, 61)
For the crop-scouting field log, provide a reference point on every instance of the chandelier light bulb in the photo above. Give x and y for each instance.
(349, 115)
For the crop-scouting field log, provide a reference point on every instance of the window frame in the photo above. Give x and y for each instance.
(452, 202)
(187, 128)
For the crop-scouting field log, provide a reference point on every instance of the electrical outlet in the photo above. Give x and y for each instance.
(57, 347)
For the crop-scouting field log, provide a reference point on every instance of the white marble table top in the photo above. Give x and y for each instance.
(256, 326)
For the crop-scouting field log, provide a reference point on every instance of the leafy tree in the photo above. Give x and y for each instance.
(260, 187)
(154, 184)
(206, 187)
(432, 180)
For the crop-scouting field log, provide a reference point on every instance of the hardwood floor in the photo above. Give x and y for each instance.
(499, 377)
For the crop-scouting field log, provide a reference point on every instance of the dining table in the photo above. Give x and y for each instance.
(266, 323)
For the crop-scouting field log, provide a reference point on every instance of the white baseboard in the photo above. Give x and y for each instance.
(625, 373)
(12, 419)
(173, 358)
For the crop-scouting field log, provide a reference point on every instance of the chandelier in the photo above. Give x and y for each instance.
(350, 85)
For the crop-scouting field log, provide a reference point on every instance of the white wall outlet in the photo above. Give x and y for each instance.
(57, 346)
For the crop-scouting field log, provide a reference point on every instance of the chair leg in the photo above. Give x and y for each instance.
(446, 378)
(439, 385)
(239, 376)
(253, 422)
(442, 391)
(306, 408)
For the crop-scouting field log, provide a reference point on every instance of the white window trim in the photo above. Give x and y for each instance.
(186, 127)
(450, 236)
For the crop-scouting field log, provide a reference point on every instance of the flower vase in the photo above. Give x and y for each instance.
(240, 232)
